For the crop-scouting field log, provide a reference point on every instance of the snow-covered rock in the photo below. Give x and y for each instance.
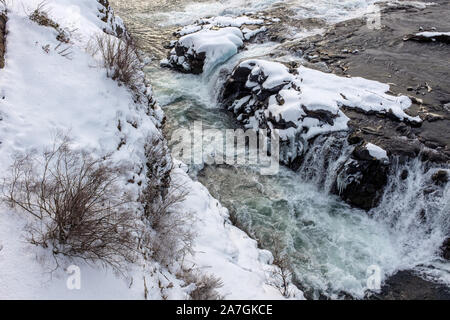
(376, 152)
(203, 50)
(430, 36)
(210, 42)
(303, 103)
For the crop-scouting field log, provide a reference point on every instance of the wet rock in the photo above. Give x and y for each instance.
(355, 138)
(440, 177)
(185, 61)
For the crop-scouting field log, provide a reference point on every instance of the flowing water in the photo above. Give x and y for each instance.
(331, 245)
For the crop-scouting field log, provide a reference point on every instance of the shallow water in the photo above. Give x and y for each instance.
(330, 244)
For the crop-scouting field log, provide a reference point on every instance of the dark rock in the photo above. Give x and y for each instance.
(355, 138)
(363, 181)
(406, 285)
(2, 40)
(361, 153)
(421, 38)
(440, 177)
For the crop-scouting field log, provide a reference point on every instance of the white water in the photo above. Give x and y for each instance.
(331, 244)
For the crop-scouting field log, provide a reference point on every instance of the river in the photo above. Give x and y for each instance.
(331, 245)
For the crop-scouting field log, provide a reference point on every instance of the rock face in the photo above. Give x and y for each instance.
(2, 39)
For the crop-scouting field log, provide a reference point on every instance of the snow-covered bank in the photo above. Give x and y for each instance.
(226, 251)
(49, 86)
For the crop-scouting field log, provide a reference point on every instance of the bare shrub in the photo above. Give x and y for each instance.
(281, 276)
(173, 236)
(205, 285)
(75, 202)
(119, 57)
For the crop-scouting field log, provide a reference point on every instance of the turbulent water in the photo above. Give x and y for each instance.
(330, 244)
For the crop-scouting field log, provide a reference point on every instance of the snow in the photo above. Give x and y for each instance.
(249, 33)
(376, 152)
(189, 29)
(45, 92)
